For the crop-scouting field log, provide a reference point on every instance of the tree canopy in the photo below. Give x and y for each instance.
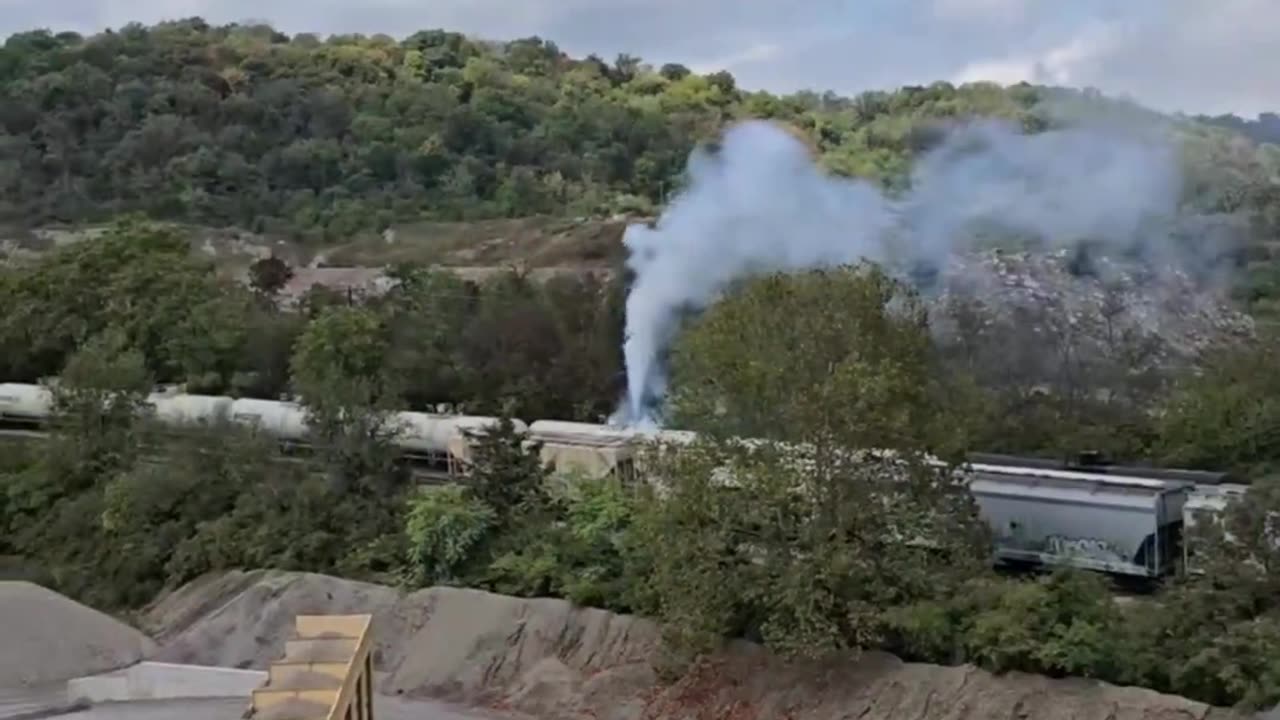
(244, 125)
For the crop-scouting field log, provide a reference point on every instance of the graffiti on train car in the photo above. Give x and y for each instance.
(1090, 548)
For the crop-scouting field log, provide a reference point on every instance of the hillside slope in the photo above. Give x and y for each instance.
(533, 242)
(321, 141)
(550, 659)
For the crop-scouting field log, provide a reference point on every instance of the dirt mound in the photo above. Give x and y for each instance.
(242, 619)
(447, 643)
(750, 684)
(49, 638)
(547, 658)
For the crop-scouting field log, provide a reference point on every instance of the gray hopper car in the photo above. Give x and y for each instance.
(1124, 519)
(1117, 524)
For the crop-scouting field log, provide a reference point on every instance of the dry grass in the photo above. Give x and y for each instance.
(543, 245)
(531, 242)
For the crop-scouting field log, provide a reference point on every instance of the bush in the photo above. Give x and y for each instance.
(444, 529)
(1064, 624)
(575, 548)
(1241, 666)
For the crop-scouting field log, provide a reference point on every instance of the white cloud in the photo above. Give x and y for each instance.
(1066, 64)
(1200, 56)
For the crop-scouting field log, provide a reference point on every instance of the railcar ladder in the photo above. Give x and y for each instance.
(326, 672)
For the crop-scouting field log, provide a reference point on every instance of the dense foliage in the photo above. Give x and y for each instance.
(243, 125)
(1266, 128)
(508, 344)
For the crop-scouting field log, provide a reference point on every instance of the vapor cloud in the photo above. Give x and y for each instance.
(759, 203)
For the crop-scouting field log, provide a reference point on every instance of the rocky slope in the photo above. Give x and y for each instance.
(1056, 296)
(546, 658)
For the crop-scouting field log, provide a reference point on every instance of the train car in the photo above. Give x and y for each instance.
(1205, 504)
(182, 410)
(466, 427)
(285, 421)
(443, 442)
(24, 406)
(1091, 462)
(1112, 523)
(586, 449)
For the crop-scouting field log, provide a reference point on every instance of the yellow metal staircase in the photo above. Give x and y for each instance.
(326, 672)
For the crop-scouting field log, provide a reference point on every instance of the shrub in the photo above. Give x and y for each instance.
(444, 528)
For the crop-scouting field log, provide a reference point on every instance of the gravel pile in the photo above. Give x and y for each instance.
(47, 638)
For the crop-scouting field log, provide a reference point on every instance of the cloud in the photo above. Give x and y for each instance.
(1190, 55)
(998, 10)
(1180, 55)
(1070, 63)
(760, 52)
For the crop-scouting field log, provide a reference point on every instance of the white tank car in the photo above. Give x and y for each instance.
(179, 409)
(24, 402)
(434, 434)
(670, 437)
(283, 420)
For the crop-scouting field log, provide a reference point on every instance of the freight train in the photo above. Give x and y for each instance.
(1124, 521)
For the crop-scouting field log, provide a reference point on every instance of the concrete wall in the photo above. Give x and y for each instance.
(165, 681)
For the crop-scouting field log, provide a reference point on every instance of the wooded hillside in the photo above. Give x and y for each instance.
(244, 125)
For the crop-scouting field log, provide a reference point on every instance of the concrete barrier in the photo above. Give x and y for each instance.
(165, 681)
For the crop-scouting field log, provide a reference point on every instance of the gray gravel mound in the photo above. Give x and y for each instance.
(47, 638)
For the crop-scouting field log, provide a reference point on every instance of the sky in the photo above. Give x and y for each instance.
(1195, 56)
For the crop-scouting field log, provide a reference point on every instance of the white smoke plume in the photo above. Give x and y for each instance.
(758, 202)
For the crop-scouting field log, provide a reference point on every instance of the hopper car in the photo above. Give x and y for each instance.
(1124, 521)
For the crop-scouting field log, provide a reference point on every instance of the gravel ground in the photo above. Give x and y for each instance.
(385, 708)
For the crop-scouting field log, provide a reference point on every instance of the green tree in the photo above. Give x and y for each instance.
(446, 528)
(427, 313)
(1240, 551)
(1228, 414)
(803, 543)
(98, 402)
(269, 275)
(54, 506)
(156, 506)
(799, 547)
(1065, 625)
(137, 279)
(349, 398)
(505, 473)
(839, 356)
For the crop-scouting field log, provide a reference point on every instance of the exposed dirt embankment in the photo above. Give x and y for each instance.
(549, 659)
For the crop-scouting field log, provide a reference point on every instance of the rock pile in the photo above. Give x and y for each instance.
(1095, 306)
